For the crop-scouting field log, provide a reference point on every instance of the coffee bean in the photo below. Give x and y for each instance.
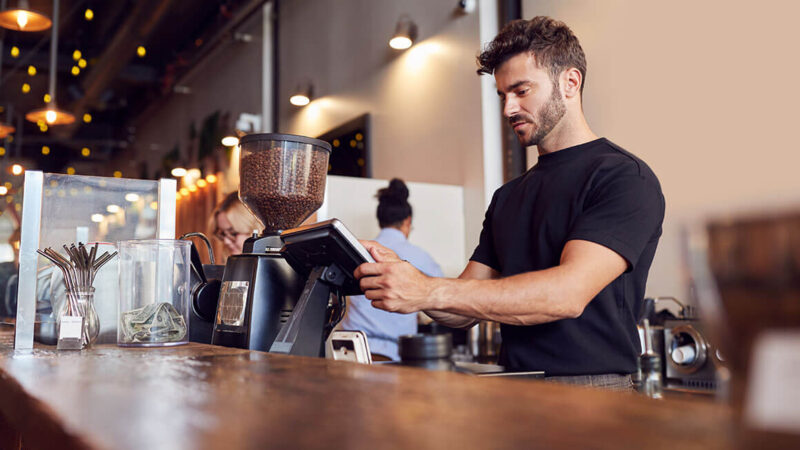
(283, 186)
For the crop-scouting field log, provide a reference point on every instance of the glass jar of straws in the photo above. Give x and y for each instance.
(78, 323)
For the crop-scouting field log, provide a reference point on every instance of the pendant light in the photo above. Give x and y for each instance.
(5, 129)
(23, 18)
(51, 114)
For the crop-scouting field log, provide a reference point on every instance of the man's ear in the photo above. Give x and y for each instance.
(571, 82)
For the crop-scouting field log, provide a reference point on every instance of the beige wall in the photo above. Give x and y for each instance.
(704, 91)
(424, 102)
(438, 220)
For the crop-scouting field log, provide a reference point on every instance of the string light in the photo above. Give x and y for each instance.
(70, 171)
(88, 14)
(85, 151)
(201, 183)
(2, 151)
(14, 51)
(45, 150)
(82, 63)
(87, 117)
(26, 88)
(211, 178)
(47, 98)
(184, 191)
(117, 174)
(31, 70)
(17, 169)
(75, 70)
(76, 55)
(141, 51)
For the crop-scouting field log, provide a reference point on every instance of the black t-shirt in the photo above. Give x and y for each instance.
(595, 192)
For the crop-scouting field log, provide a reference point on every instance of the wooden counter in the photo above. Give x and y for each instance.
(200, 396)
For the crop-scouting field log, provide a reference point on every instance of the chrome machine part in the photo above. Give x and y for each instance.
(687, 349)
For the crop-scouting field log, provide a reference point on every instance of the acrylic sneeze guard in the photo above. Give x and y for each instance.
(62, 209)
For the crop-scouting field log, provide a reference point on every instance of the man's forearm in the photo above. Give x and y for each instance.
(452, 320)
(525, 299)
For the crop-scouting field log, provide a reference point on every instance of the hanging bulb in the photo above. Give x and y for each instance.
(22, 18)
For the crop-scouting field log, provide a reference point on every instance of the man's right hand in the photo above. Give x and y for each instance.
(379, 252)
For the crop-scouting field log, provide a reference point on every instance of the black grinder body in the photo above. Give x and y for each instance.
(259, 292)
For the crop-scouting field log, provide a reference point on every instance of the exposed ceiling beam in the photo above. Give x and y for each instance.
(219, 38)
(142, 20)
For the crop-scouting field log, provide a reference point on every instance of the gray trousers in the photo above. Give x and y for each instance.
(608, 381)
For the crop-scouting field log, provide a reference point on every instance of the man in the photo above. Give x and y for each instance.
(565, 249)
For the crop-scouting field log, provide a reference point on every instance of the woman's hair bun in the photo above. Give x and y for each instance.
(397, 191)
(393, 207)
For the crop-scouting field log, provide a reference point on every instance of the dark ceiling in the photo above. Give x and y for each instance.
(117, 85)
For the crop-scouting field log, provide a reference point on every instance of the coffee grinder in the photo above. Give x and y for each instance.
(282, 182)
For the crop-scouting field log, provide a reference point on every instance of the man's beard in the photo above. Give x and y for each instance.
(547, 118)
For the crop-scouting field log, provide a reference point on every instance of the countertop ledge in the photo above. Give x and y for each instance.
(200, 396)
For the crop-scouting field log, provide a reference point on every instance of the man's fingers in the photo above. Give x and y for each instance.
(379, 252)
(371, 269)
(368, 283)
(375, 294)
(366, 270)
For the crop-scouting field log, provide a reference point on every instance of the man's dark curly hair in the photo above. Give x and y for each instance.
(552, 43)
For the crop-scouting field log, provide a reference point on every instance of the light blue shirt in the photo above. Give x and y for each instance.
(382, 327)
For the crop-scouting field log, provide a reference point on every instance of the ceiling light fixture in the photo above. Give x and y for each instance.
(178, 172)
(405, 34)
(302, 95)
(23, 18)
(230, 141)
(5, 130)
(50, 113)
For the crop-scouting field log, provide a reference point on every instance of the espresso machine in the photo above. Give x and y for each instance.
(282, 182)
(691, 362)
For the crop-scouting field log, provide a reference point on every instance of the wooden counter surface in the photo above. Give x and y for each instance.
(200, 396)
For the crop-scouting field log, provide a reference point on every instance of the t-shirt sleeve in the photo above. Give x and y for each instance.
(622, 214)
(485, 253)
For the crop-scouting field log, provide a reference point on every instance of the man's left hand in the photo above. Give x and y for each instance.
(393, 284)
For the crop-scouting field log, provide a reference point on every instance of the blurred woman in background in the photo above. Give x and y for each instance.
(232, 223)
(381, 327)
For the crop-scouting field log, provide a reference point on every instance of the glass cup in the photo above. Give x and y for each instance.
(154, 293)
(80, 303)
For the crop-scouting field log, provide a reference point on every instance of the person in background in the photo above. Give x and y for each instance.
(232, 223)
(381, 327)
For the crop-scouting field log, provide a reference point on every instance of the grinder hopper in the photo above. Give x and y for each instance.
(282, 182)
(282, 178)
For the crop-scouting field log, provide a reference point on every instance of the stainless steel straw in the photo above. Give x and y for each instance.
(79, 272)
